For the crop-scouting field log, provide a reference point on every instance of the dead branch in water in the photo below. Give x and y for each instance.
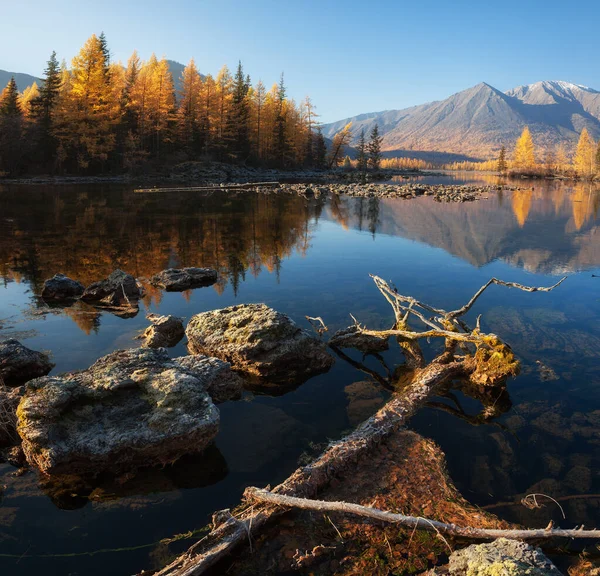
(490, 363)
(414, 521)
(245, 186)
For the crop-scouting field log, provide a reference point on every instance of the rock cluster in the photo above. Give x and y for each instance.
(165, 331)
(177, 280)
(260, 342)
(130, 408)
(61, 288)
(18, 364)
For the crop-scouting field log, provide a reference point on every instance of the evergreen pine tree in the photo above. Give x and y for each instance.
(502, 165)
(320, 150)
(361, 149)
(280, 152)
(11, 129)
(239, 115)
(374, 148)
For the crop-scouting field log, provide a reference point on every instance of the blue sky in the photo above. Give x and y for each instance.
(350, 57)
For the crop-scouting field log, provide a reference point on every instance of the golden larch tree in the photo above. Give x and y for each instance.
(585, 155)
(524, 154)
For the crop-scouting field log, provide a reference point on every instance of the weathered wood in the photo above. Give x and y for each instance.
(414, 521)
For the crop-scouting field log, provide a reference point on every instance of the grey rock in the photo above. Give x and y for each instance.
(258, 341)
(351, 337)
(119, 290)
(9, 400)
(219, 380)
(131, 408)
(18, 364)
(165, 331)
(179, 279)
(502, 557)
(61, 287)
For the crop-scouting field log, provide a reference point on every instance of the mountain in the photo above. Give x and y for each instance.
(478, 121)
(22, 80)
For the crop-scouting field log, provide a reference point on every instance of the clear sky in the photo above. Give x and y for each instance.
(350, 56)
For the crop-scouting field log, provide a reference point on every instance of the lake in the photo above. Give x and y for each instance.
(309, 257)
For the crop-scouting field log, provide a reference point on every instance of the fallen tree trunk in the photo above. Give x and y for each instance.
(245, 186)
(413, 521)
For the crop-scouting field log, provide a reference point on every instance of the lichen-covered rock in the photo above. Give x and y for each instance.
(9, 400)
(18, 364)
(351, 337)
(219, 380)
(119, 290)
(61, 287)
(131, 408)
(165, 331)
(178, 279)
(258, 341)
(502, 557)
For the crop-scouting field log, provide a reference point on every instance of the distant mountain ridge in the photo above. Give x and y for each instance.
(478, 121)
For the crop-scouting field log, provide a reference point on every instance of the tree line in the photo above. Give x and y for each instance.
(98, 116)
(584, 164)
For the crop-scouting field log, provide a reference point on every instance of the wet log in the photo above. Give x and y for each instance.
(245, 186)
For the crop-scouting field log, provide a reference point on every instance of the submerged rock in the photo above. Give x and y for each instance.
(166, 331)
(119, 290)
(351, 337)
(131, 408)
(179, 279)
(259, 341)
(219, 380)
(61, 287)
(502, 557)
(18, 364)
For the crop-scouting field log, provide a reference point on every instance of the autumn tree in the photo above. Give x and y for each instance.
(338, 146)
(11, 129)
(374, 148)
(585, 155)
(502, 164)
(190, 110)
(561, 158)
(524, 154)
(598, 159)
(320, 150)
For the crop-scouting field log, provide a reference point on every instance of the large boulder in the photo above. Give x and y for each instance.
(119, 290)
(502, 557)
(60, 288)
(179, 279)
(165, 331)
(258, 341)
(218, 379)
(131, 408)
(18, 364)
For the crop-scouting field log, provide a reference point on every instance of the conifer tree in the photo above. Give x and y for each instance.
(320, 150)
(309, 108)
(189, 114)
(258, 101)
(280, 141)
(374, 148)
(585, 155)
(239, 115)
(361, 149)
(338, 146)
(524, 154)
(11, 129)
(502, 165)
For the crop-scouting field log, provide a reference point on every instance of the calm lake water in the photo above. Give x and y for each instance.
(309, 258)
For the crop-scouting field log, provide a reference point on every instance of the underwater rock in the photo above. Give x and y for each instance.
(502, 557)
(217, 377)
(61, 287)
(351, 337)
(131, 408)
(177, 280)
(165, 331)
(364, 399)
(119, 290)
(259, 341)
(18, 364)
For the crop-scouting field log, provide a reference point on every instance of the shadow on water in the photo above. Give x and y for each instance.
(539, 433)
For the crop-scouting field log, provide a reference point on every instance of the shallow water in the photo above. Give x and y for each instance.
(309, 258)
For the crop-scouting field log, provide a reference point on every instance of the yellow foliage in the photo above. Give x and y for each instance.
(585, 156)
(521, 205)
(524, 153)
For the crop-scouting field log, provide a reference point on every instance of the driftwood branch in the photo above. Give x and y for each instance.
(414, 521)
(245, 186)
